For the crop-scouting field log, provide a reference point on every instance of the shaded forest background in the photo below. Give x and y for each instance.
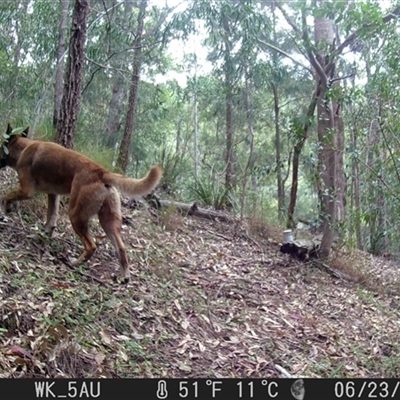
(282, 112)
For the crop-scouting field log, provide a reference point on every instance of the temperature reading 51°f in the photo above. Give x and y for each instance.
(270, 387)
(184, 389)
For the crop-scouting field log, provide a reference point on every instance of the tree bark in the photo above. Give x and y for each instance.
(340, 177)
(250, 139)
(195, 126)
(229, 162)
(356, 203)
(59, 81)
(324, 36)
(118, 91)
(65, 129)
(278, 146)
(296, 157)
(18, 37)
(124, 151)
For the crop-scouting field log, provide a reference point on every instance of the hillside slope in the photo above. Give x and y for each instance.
(206, 299)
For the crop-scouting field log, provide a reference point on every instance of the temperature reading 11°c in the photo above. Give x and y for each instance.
(247, 390)
(185, 388)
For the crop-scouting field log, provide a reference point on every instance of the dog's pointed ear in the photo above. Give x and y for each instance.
(25, 132)
(9, 129)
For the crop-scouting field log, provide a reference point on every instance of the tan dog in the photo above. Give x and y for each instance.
(55, 170)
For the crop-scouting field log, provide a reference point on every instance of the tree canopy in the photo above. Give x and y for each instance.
(283, 110)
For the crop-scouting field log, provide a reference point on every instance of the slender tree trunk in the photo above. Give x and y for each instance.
(196, 138)
(250, 138)
(59, 81)
(356, 191)
(124, 151)
(17, 52)
(372, 145)
(341, 184)
(383, 244)
(302, 137)
(195, 126)
(65, 129)
(324, 35)
(118, 91)
(229, 175)
(229, 156)
(178, 136)
(278, 145)
(340, 177)
(115, 111)
(279, 178)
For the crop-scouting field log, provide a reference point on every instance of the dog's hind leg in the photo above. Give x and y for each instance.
(52, 213)
(110, 220)
(83, 205)
(81, 227)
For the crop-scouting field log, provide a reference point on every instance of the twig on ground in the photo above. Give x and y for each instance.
(283, 371)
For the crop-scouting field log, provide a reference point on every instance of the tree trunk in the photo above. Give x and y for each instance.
(118, 91)
(229, 162)
(324, 35)
(302, 136)
(356, 191)
(124, 151)
(72, 89)
(18, 37)
(279, 178)
(339, 174)
(250, 139)
(278, 145)
(196, 127)
(59, 81)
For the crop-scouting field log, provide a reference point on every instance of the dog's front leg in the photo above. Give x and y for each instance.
(52, 213)
(21, 193)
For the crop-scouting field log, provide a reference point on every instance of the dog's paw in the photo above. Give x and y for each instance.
(6, 206)
(49, 230)
(121, 279)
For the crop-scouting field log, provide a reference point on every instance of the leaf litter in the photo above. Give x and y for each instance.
(206, 299)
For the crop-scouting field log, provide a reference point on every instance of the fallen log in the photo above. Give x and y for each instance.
(195, 210)
(186, 209)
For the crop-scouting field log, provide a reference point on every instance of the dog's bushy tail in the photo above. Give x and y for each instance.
(135, 187)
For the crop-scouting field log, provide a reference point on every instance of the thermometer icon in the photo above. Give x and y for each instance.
(162, 392)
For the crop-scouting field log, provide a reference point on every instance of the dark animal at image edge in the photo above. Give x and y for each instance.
(50, 168)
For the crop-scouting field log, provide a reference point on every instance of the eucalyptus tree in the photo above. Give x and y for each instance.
(374, 149)
(222, 21)
(25, 56)
(121, 21)
(73, 78)
(123, 155)
(323, 53)
(61, 49)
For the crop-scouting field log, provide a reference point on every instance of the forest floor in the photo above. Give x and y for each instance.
(206, 299)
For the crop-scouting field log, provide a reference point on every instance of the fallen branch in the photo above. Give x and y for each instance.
(283, 371)
(334, 272)
(195, 210)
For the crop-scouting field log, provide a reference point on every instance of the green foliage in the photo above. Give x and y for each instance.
(97, 152)
(210, 192)
(240, 40)
(175, 167)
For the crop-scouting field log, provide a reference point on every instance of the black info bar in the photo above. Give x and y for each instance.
(202, 389)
